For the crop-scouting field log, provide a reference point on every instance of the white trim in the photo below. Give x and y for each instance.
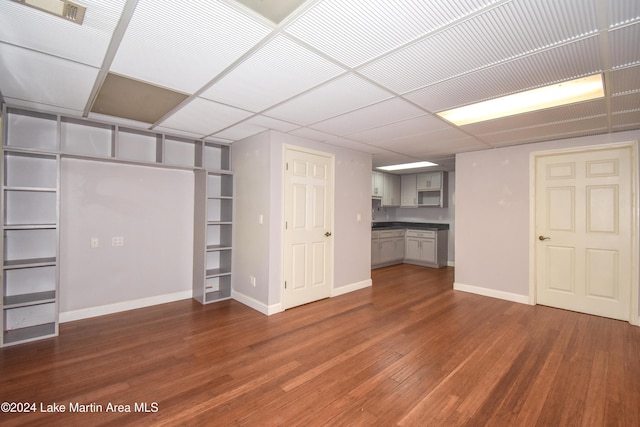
(634, 310)
(493, 293)
(451, 264)
(255, 304)
(351, 287)
(101, 310)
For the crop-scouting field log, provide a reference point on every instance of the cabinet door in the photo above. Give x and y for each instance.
(387, 250)
(409, 190)
(398, 249)
(428, 250)
(375, 251)
(412, 248)
(391, 193)
(377, 184)
(429, 181)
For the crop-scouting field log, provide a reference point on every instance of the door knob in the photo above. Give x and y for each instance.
(543, 238)
(328, 233)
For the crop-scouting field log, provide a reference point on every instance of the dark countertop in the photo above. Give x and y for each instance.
(408, 225)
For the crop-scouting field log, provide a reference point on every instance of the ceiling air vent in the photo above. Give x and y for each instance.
(64, 9)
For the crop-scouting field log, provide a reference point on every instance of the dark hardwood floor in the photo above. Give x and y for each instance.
(408, 351)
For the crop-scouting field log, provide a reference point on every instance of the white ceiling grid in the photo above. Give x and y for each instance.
(367, 75)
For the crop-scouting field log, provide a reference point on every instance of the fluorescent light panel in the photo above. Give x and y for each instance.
(62, 8)
(407, 166)
(569, 92)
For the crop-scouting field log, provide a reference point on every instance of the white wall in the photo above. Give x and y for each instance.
(152, 208)
(492, 214)
(258, 169)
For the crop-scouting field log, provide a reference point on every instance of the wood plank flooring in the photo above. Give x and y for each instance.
(408, 351)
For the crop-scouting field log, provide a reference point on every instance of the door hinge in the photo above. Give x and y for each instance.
(286, 225)
(286, 166)
(285, 284)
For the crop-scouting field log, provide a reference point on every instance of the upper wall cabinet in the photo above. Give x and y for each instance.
(385, 187)
(427, 189)
(377, 184)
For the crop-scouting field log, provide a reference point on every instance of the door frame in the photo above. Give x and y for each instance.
(634, 315)
(332, 185)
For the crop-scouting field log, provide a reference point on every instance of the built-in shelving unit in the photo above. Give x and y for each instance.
(29, 228)
(213, 223)
(33, 144)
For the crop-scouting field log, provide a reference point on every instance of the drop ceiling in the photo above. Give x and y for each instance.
(364, 74)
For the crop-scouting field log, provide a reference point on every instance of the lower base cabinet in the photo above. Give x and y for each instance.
(426, 247)
(420, 247)
(387, 248)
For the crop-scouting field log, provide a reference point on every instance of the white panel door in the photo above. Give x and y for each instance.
(583, 231)
(308, 241)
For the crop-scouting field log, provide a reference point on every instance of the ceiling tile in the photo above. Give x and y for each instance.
(43, 32)
(622, 12)
(414, 126)
(357, 31)
(276, 72)
(183, 44)
(626, 120)
(240, 131)
(560, 130)
(65, 84)
(549, 66)
(353, 145)
(624, 80)
(376, 115)
(270, 123)
(339, 96)
(624, 46)
(628, 102)
(204, 117)
(489, 38)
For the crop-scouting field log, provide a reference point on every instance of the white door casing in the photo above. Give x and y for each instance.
(308, 231)
(584, 231)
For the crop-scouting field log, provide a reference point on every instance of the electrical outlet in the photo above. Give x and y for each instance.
(252, 279)
(117, 241)
(94, 242)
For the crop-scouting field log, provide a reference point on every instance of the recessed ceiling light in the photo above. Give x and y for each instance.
(407, 166)
(578, 90)
(63, 8)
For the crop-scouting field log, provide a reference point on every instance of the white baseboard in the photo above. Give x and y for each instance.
(451, 264)
(351, 287)
(255, 304)
(85, 313)
(277, 308)
(522, 299)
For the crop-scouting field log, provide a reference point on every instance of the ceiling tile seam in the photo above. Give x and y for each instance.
(627, 23)
(546, 124)
(632, 110)
(555, 136)
(602, 18)
(629, 65)
(347, 135)
(114, 44)
(512, 59)
(50, 55)
(626, 92)
(217, 78)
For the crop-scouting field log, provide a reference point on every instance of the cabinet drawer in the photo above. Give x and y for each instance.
(391, 233)
(421, 233)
